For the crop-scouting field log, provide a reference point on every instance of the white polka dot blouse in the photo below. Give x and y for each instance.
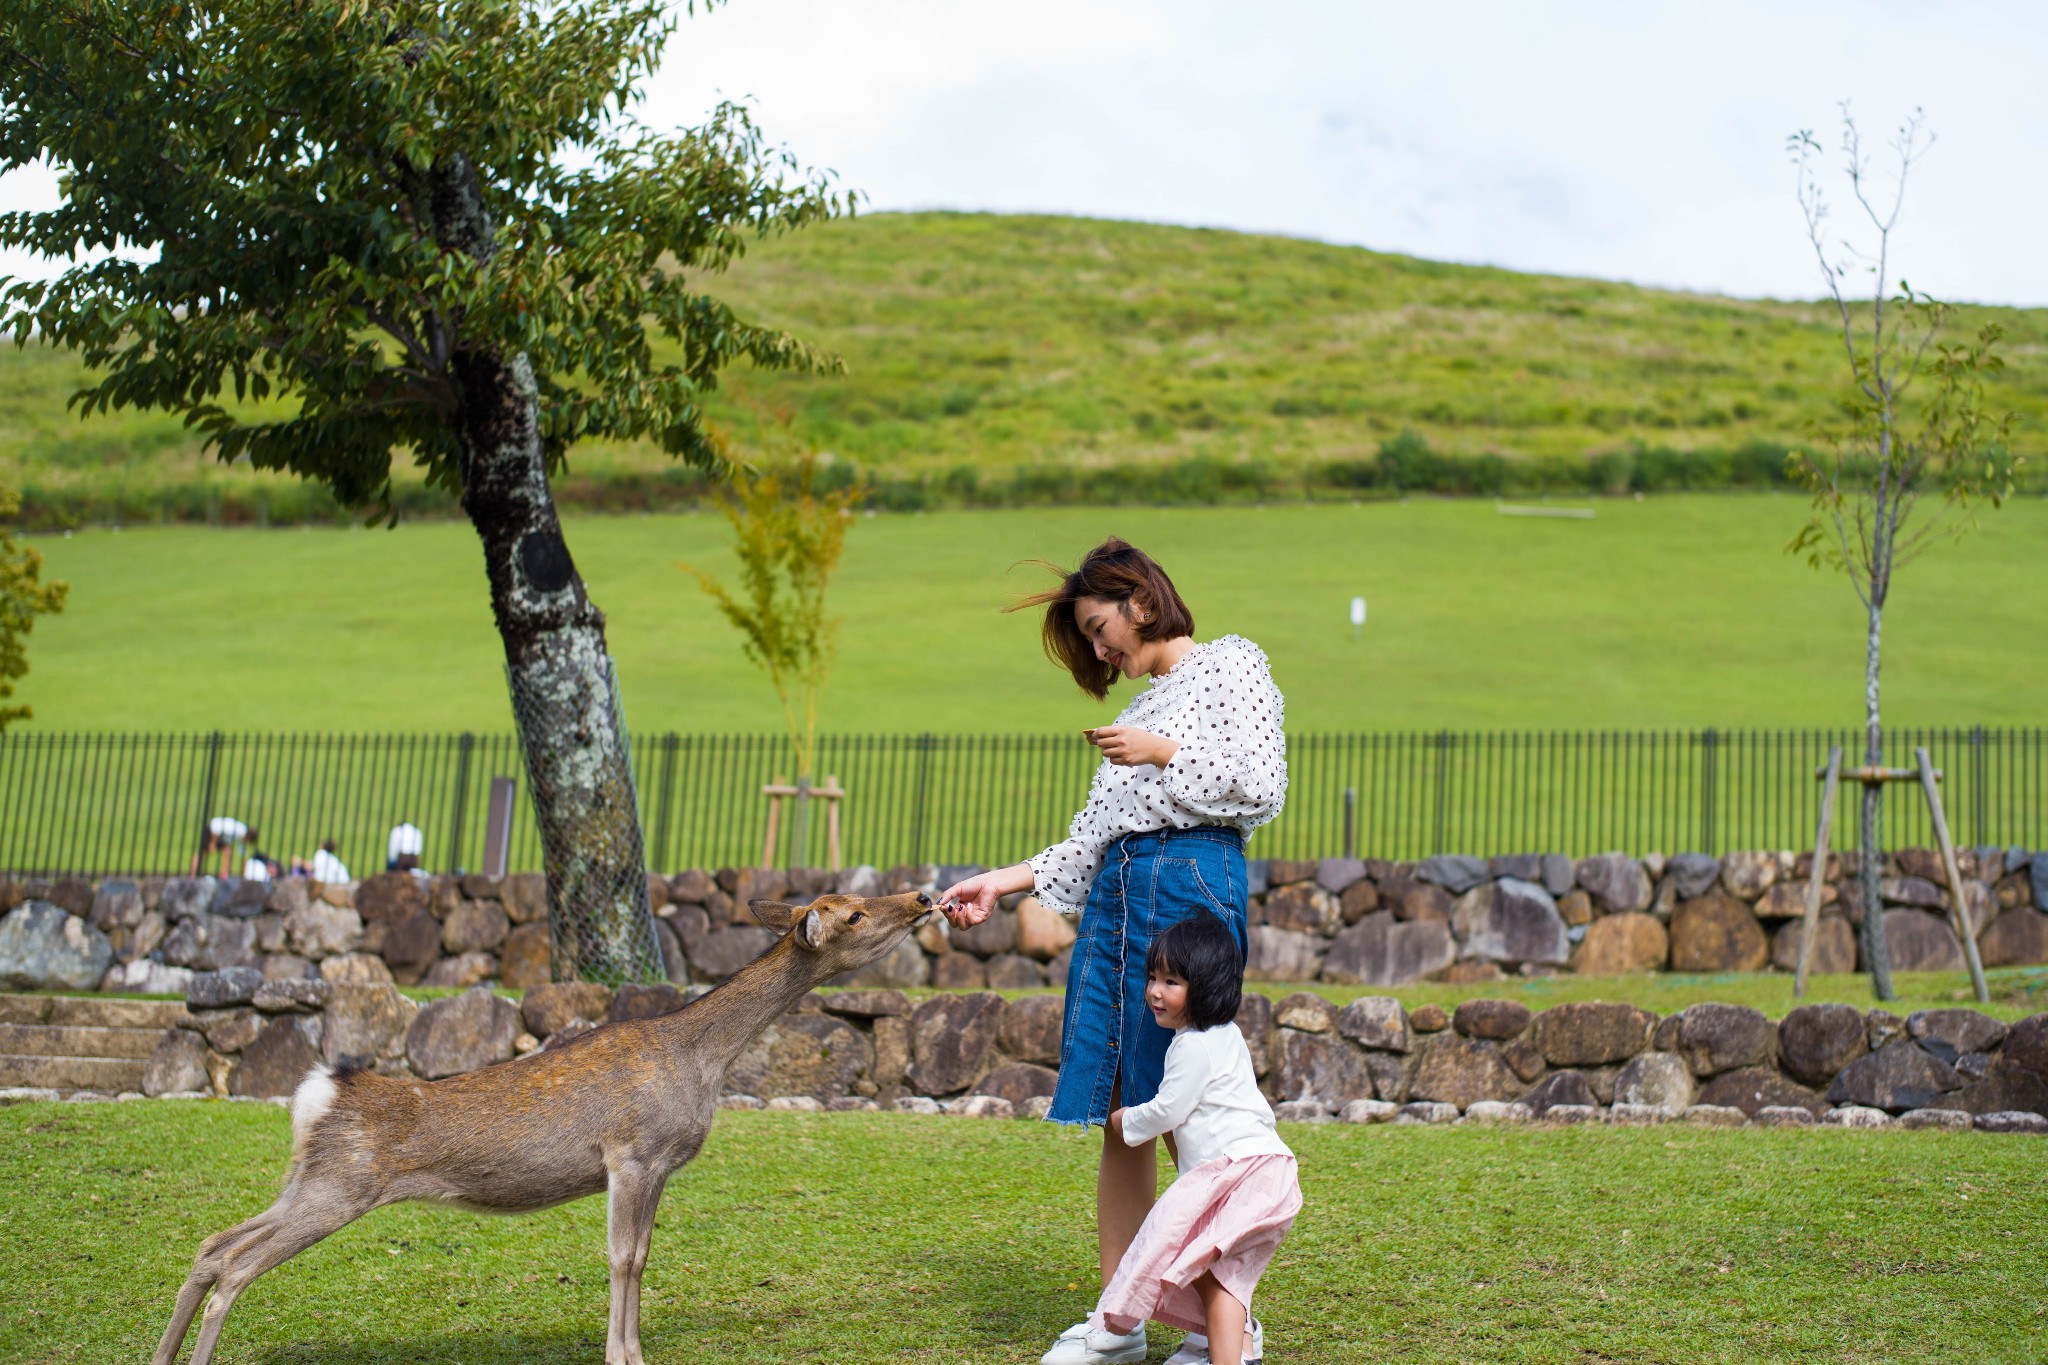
(1220, 704)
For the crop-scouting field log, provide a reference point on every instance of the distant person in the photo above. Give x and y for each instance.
(223, 833)
(326, 867)
(403, 848)
(258, 866)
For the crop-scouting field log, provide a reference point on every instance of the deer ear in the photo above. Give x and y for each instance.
(810, 931)
(774, 914)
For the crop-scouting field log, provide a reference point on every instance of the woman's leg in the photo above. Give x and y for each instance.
(1126, 1184)
(1226, 1321)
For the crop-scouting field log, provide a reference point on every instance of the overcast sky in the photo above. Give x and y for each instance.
(1640, 141)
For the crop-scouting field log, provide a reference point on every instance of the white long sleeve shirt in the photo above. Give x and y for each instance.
(1209, 1100)
(1220, 705)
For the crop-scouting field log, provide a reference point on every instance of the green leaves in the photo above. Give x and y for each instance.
(789, 528)
(23, 597)
(1870, 472)
(283, 165)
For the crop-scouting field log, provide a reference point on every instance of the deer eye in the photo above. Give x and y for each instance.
(856, 917)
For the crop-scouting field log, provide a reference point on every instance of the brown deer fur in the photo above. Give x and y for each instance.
(617, 1109)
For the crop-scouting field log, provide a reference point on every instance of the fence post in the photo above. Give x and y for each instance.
(463, 747)
(206, 796)
(924, 764)
(1351, 822)
(664, 796)
(1443, 759)
(498, 826)
(1709, 745)
(1977, 801)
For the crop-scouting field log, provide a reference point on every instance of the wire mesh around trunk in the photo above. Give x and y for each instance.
(599, 922)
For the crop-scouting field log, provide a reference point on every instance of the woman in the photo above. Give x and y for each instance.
(1195, 762)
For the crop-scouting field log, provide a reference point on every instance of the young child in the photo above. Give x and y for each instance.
(1201, 1250)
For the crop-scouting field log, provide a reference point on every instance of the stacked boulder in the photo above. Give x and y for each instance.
(1370, 1059)
(1021, 946)
(1464, 919)
(1346, 921)
(1598, 1061)
(244, 1036)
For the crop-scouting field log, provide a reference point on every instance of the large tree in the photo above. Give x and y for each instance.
(438, 230)
(1916, 449)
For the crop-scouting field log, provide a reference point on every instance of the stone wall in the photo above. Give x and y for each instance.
(1369, 1060)
(1346, 921)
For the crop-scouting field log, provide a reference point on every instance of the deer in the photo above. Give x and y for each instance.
(617, 1109)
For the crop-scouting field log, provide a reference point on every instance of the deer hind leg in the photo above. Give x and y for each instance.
(229, 1261)
(634, 1194)
(206, 1269)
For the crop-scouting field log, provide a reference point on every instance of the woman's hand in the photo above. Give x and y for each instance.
(968, 903)
(1115, 1126)
(1128, 747)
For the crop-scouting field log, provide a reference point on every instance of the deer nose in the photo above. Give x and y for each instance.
(923, 899)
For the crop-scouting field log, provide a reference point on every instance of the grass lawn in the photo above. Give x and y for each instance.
(871, 1238)
(1671, 612)
(2016, 992)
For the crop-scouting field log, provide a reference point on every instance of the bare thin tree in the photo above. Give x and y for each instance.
(1900, 470)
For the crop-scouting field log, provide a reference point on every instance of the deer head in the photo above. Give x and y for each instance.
(845, 933)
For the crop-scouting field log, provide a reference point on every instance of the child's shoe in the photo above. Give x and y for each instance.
(1086, 1343)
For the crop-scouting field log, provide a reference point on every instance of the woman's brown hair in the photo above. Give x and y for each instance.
(1118, 572)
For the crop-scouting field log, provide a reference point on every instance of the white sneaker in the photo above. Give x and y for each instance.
(1194, 1348)
(1086, 1344)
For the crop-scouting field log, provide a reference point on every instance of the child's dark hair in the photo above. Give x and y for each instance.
(1201, 952)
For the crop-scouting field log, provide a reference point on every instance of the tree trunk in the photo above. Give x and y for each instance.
(564, 700)
(563, 696)
(1869, 865)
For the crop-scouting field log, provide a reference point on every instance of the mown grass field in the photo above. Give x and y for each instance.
(2016, 992)
(885, 1238)
(1665, 612)
(981, 345)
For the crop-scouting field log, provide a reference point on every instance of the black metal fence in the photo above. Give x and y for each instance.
(104, 803)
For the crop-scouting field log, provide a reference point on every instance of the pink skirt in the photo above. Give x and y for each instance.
(1225, 1217)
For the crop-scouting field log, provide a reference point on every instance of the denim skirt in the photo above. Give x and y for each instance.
(1109, 1042)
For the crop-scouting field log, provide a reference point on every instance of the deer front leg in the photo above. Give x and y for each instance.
(630, 1203)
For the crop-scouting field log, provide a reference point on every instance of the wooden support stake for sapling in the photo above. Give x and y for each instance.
(1958, 907)
(1811, 925)
(774, 791)
(1874, 776)
(831, 794)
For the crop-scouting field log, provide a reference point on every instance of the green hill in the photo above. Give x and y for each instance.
(1032, 359)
